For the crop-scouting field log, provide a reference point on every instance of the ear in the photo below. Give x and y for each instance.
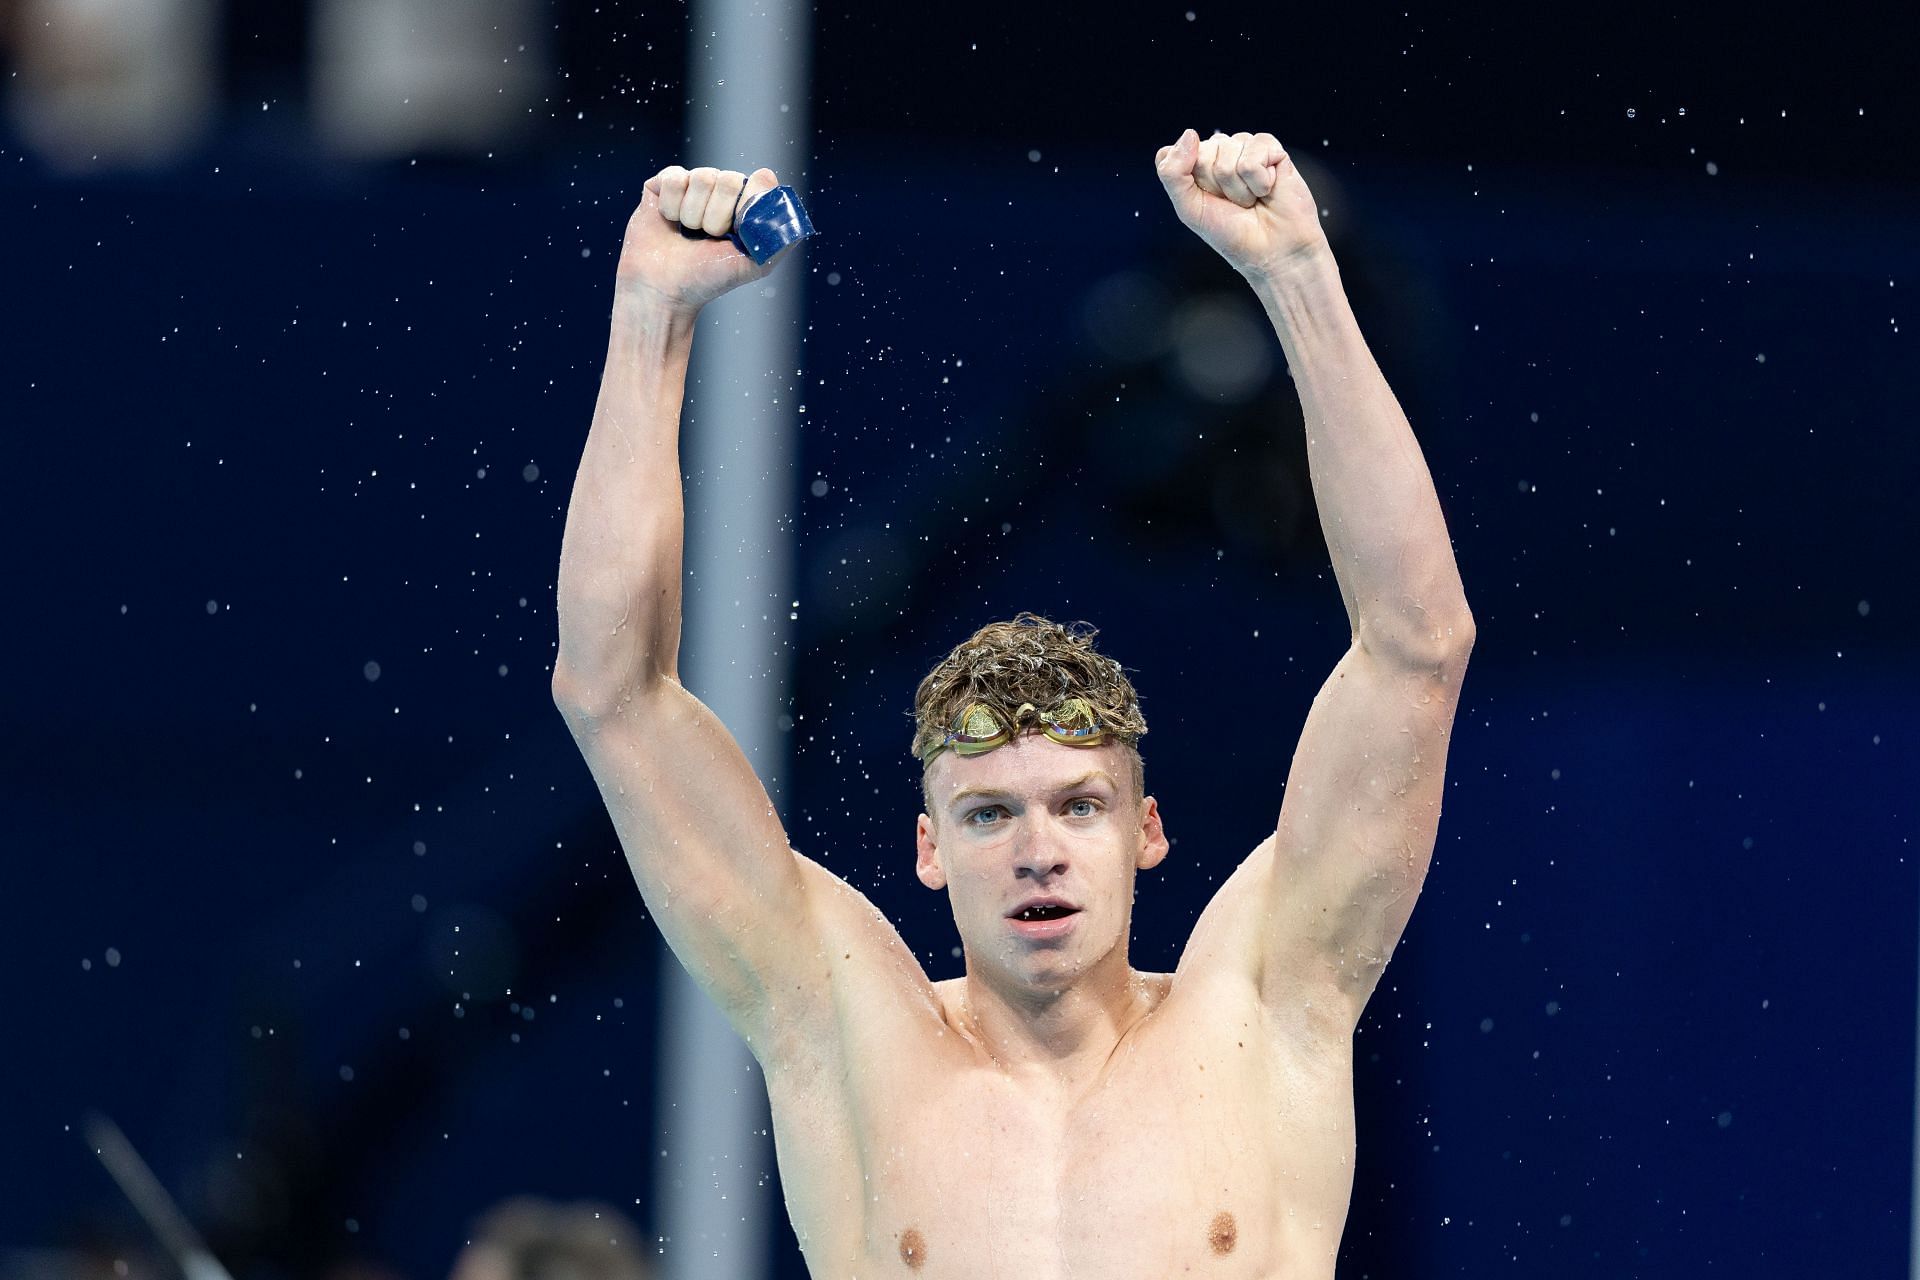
(927, 862)
(1153, 840)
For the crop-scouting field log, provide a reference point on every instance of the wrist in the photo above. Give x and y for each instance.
(639, 311)
(1307, 303)
(1308, 267)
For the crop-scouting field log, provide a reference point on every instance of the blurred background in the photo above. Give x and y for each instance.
(306, 301)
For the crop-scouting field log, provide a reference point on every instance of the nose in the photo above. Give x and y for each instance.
(1036, 860)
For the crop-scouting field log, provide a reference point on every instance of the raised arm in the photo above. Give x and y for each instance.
(1333, 889)
(619, 590)
(702, 837)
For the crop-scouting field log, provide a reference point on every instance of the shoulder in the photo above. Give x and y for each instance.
(864, 987)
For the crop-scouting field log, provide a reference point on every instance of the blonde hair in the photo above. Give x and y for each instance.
(1028, 659)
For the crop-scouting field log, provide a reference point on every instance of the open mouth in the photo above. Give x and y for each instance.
(1041, 922)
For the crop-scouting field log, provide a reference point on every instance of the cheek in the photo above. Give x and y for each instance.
(963, 881)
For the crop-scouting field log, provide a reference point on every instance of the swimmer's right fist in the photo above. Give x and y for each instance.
(658, 262)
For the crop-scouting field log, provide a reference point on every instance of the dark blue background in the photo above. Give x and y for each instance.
(274, 417)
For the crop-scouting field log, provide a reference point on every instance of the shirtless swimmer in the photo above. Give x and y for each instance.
(1053, 1113)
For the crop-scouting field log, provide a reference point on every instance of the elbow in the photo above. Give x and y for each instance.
(1437, 642)
(581, 699)
(574, 698)
(566, 688)
(1461, 634)
(584, 699)
(1452, 641)
(606, 655)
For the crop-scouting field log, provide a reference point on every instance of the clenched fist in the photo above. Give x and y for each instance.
(658, 258)
(1241, 194)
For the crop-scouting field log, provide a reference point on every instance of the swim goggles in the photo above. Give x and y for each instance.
(979, 728)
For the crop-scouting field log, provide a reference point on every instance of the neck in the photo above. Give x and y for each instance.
(1067, 1033)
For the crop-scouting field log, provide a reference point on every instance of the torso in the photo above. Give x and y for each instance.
(1213, 1142)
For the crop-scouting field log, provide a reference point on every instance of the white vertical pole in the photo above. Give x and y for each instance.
(747, 82)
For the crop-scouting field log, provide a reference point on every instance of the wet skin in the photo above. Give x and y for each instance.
(1055, 1113)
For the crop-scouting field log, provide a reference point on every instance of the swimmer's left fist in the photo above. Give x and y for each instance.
(1241, 194)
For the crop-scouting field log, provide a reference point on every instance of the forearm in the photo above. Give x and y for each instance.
(1378, 509)
(620, 557)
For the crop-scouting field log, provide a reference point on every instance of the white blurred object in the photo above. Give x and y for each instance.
(114, 81)
(1222, 349)
(749, 104)
(182, 1242)
(392, 77)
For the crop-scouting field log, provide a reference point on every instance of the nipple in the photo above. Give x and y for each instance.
(913, 1249)
(1221, 1233)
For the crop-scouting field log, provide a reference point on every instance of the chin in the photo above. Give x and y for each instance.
(1047, 969)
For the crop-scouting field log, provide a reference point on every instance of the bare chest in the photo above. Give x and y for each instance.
(1198, 1150)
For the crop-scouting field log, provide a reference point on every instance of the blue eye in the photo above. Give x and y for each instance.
(1092, 804)
(992, 808)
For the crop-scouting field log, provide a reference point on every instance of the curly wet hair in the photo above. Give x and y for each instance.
(1028, 659)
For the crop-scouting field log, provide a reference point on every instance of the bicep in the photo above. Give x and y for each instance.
(1357, 824)
(706, 847)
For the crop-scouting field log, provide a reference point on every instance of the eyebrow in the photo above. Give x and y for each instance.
(973, 793)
